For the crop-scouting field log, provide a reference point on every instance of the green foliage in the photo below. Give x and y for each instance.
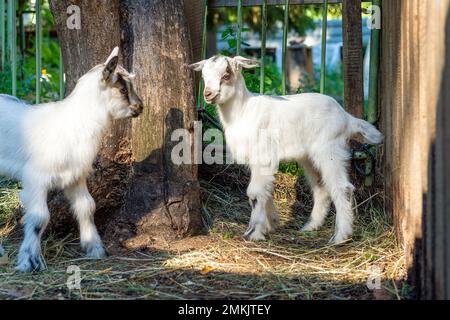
(291, 168)
(334, 83)
(301, 17)
(26, 63)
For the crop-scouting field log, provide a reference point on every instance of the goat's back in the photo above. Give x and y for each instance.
(12, 111)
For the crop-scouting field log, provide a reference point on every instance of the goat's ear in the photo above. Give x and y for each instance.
(198, 66)
(245, 63)
(110, 67)
(114, 53)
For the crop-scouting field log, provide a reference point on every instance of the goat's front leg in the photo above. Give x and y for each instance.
(259, 193)
(37, 216)
(83, 207)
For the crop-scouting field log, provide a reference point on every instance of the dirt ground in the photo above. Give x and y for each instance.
(221, 264)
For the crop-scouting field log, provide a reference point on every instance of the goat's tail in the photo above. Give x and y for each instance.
(365, 132)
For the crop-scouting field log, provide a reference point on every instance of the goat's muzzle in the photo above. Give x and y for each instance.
(210, 96)
(137, 110)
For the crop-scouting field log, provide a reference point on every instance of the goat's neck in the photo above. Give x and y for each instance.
(232, 110)
(88, 109)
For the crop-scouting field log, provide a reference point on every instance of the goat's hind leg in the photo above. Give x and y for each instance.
(321, 198)
(83, 207)
(272, 214)
(36, 219)
(336, 180)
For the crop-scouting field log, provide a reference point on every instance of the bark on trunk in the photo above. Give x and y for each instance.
(141, 196)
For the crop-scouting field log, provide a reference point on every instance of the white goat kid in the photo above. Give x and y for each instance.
(312, 129)
(53, 145)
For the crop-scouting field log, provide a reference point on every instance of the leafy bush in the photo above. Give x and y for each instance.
(26, 64)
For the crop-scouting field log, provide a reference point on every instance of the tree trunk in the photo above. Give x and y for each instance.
(141, 196)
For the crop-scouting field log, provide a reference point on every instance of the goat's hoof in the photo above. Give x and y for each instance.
(271, 228)
(274, 221)
(253, 234)
(337, 239)
(95, 251)
(30, 263)
(309, 227)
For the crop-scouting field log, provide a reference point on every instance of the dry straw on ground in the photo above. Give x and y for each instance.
(289, 265)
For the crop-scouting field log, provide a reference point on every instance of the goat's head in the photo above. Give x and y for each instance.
(221, 75)
(122, 100)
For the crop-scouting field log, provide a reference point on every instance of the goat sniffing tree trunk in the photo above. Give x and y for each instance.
(141, 196)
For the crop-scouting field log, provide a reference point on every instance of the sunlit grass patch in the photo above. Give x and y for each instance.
(9, 203)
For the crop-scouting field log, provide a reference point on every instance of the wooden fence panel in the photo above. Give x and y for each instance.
(415, 75)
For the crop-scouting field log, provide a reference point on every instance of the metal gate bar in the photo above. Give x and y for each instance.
(239, 28)
(283, 50)
(263, 46)
(38, 50)
(2, 35)
(12, 37)
(324, 47)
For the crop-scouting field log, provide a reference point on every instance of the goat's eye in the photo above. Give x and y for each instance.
(123, 91)
(226, 77)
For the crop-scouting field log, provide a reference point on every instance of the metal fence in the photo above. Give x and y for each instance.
(8, 44)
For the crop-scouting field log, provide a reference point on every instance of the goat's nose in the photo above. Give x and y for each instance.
(137, 109)
(208, 94)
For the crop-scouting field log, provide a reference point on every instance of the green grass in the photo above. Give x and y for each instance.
(8, 199)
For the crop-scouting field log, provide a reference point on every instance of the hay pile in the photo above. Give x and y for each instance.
(289, 265)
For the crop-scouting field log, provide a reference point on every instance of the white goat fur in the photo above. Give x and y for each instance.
(311, 129)
(52, 146)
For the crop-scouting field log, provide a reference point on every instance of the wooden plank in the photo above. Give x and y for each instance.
(353, 57)
(443, 205)
(442, 155)
(248, 3)
(424, 261)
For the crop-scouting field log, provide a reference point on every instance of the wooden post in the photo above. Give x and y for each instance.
(414, 77)
(353, 57)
